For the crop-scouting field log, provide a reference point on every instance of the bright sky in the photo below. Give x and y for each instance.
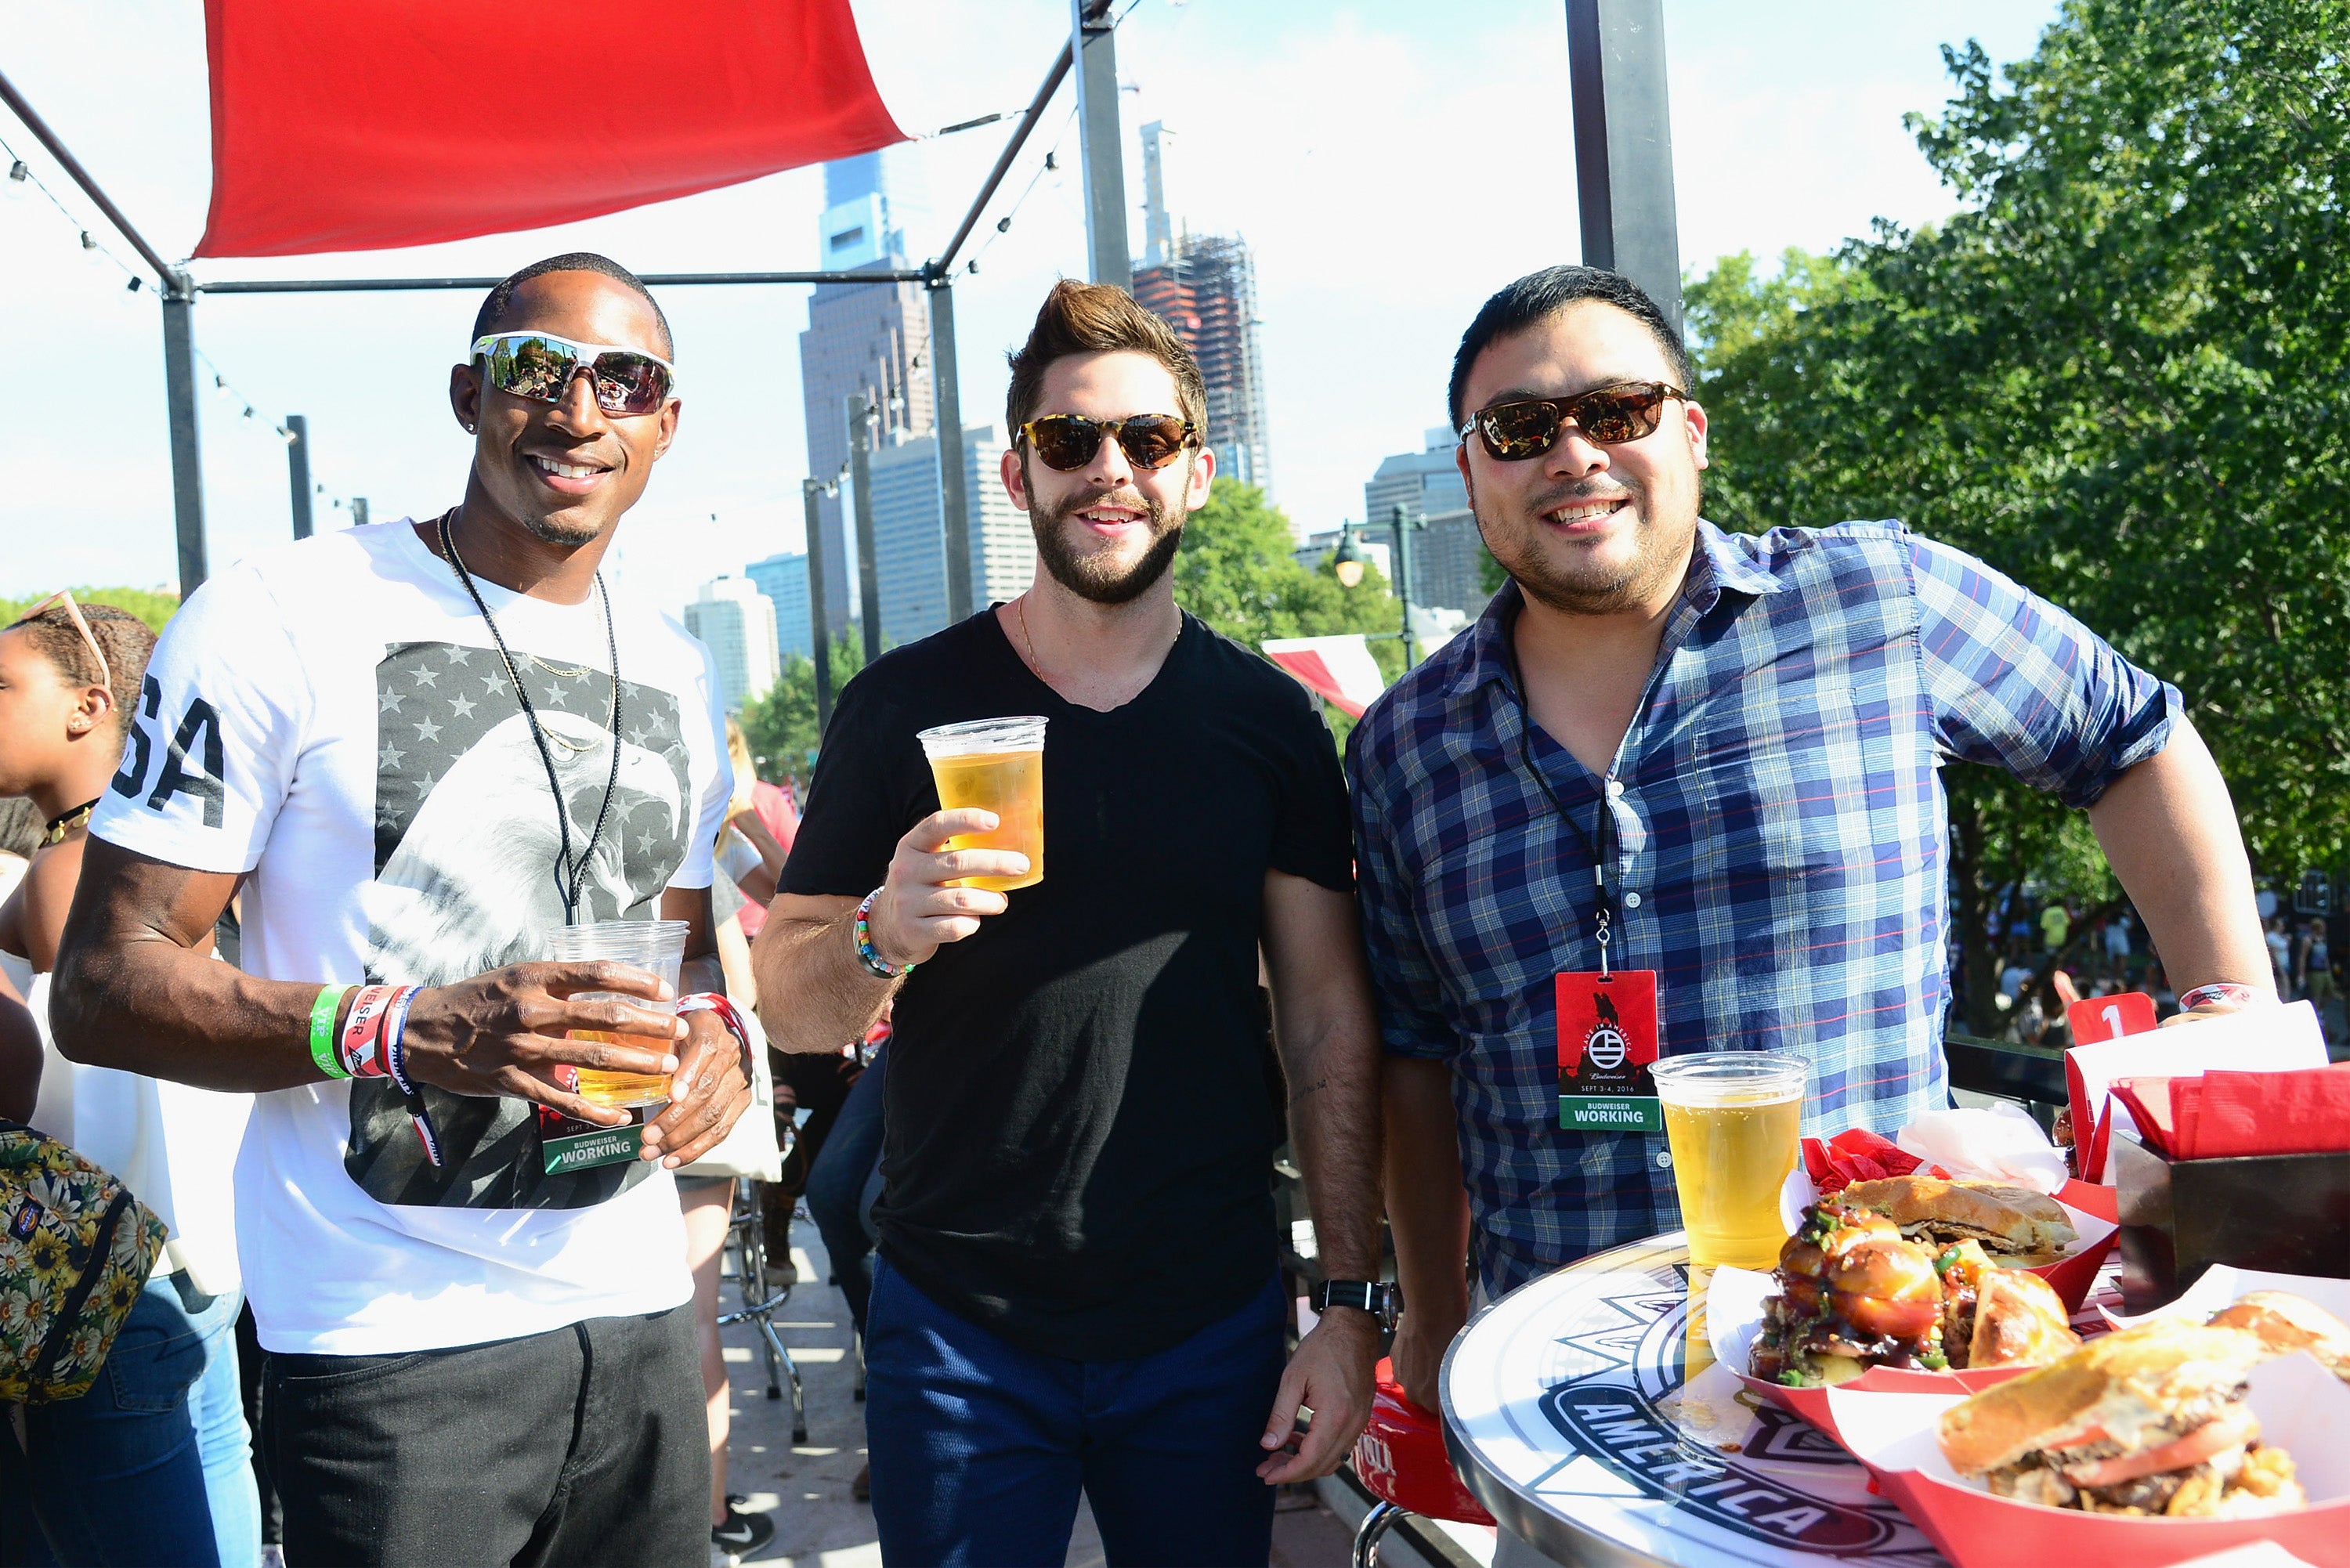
(1390, 162)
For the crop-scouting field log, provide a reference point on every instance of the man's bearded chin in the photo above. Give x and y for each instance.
(1662, 551)
(555, 531)
(1096, 576)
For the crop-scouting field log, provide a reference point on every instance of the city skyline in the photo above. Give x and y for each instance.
(1303, 128)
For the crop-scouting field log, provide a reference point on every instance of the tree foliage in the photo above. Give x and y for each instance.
(781, 725)
(152, 606)
(2120, 374)
(1239, 572)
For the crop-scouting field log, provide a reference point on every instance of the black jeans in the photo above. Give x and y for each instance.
(587, 1444)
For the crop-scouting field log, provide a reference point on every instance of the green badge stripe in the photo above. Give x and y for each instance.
(1610, 1113)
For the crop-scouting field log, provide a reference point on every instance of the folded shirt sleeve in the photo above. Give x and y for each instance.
(1404, 977)
(2018, 684)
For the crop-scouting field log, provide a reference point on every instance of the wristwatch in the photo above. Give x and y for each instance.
(1383, 1301)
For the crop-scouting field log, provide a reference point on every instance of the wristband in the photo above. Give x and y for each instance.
(395, 1060)
(875, 964)
(361, 1052)
(2224, 993)
(322, 1029)
(712, 1001)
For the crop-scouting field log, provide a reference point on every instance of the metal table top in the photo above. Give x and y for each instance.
(1585, 1412)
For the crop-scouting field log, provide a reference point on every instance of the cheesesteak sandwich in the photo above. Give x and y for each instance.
(2017, 1227)
(1855, 1293)
(2148, 1420)
(2287, 1323)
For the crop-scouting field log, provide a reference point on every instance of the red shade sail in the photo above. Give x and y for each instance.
(340, 125)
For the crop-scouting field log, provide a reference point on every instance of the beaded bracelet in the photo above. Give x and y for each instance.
(875, 964)
(322, 1029)
(2225, 992)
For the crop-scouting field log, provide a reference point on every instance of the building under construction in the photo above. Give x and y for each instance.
(1205, 287)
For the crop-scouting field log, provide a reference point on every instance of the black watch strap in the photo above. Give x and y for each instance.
(1382, 1301)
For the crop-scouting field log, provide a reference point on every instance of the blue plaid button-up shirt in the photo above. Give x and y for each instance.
(1780, 848)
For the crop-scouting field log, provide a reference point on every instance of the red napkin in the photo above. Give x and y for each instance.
(2236, 1114)
(1858, 1154)
(2149, 1103)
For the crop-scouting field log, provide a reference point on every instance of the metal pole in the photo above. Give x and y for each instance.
(1094, 40)
(298, 470)
(187, 456)
(650, 280)
(1624, 144)
(945, 262)
(819, 624)
(1403, 527)
(166, 276)
(860, 437)
(955, 501)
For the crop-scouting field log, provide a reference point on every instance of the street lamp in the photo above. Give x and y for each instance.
(1347, 561)
(1406, 524)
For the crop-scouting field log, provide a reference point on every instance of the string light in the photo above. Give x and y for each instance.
(224, 389)
(1051, 165)
(94, 251)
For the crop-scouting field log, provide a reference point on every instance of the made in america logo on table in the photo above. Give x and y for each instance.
(466, 841)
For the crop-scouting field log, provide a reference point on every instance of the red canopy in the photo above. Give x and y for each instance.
(343, 126)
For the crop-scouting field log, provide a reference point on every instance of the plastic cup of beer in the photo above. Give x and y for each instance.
(656, 945)
(998, 765)
(1733, 1118)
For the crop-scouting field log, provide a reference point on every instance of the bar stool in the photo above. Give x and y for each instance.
(1400, 1458)
(756, 1281)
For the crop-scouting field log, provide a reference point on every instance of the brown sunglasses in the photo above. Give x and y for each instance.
(1609, 416)
(1067, 441)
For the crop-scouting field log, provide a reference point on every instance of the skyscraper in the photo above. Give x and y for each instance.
(784, 579)
(910, 540)
(863, 339)
(1447, 555)
(738, 623)
(1205, 287)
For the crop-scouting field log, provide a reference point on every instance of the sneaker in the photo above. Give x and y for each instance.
(742, 1533)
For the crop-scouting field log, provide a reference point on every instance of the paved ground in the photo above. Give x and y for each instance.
(806, 1485)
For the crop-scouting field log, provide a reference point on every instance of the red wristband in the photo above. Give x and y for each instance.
(360, 1050)
(711, 1001)
(2225, 992)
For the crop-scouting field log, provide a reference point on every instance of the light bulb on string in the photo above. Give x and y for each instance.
(20, 179)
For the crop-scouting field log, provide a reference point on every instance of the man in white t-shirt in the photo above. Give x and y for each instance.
(419, 749)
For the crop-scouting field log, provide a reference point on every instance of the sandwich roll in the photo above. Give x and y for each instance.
(2286, 1323)
(2013, 1223)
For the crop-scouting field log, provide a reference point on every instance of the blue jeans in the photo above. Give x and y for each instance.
(980, 1449)
(153, 1465)
(836, 1187)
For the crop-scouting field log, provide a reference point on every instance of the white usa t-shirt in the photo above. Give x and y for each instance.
(333, 717)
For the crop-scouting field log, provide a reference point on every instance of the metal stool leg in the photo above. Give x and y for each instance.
(1375, 1524)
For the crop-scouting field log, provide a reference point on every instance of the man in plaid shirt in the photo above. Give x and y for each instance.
(1763, 722)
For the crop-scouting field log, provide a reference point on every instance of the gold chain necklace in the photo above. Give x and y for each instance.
(1020, 609)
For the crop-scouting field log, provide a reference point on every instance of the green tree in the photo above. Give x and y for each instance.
(1238, 571)
(781, 725)
(2120, 374)
(152, 606)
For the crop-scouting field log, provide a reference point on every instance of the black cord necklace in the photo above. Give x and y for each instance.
(568, 873)
(58, 827)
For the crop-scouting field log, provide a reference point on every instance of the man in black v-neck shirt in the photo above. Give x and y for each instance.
(1078, 1283)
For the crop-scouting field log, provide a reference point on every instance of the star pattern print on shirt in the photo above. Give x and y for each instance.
(466, 842)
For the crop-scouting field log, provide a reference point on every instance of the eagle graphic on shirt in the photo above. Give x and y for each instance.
(467, 837)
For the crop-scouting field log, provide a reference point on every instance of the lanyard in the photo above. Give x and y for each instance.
(1598, 852)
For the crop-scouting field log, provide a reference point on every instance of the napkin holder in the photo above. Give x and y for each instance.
(2286, 1213)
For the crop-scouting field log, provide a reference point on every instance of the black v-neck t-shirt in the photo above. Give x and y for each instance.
(1079, 1115)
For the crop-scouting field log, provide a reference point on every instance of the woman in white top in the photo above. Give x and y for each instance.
(154, 1464)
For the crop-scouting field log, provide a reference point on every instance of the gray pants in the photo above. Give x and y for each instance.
(587, 1444)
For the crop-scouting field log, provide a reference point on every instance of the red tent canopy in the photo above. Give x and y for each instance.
(342, 126)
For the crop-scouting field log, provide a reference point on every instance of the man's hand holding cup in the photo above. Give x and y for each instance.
(921, 905)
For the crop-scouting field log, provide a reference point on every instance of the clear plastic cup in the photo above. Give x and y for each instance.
(998, 765)
(1734, 1119)
(656, 945)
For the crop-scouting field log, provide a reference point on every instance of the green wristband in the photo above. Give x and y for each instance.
(322, 1029)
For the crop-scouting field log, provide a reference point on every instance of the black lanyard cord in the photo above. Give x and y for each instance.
(570, 874)
(1598, 852)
